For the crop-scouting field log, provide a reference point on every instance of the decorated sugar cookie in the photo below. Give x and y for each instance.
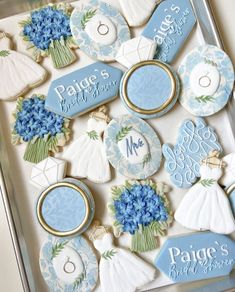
(140, 208)
(87, 155)
(138, 12)
(119, 269)
(81, 91)
(132, 147)
(170, 26)
(47, 172)
(47, 33)
(68, 264)
(207, 78)
(99, 29)
(194, 143)
(66, 208)
(43, 131)
(228, 177)
(19, 73)
(149, 89)
(197, 256)
(136, 50)
(206, 206)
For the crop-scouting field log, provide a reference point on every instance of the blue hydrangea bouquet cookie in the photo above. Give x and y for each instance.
(140, 208)
(42, 130)
(47, 33)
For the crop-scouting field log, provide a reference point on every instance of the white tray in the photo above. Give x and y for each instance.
(20, 197)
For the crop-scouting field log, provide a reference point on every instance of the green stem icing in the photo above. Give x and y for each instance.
(204, 98)
(108, 254)
(39, 150)
(4, 53)
(144, 240)
(61, 54)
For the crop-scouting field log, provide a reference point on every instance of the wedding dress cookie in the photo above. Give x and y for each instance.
(19, 73)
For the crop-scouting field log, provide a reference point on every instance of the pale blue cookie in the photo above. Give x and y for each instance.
(99, 29)
(68, 264)
(132, 147)
(194, 143)
(170, 26)
(196, 256)
(83, 90)
(149, 89)
(207, 78)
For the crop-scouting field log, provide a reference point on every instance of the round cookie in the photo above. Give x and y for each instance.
(132, 147)
(68, 264)
(207, 78)
(99, 30)
(149, 89)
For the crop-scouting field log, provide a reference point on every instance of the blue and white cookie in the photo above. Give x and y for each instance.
(207, 78)
(132, 147)
(99, 29)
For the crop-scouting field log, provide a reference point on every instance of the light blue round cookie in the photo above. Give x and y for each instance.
(99, 30)
(149, 89)
(207, 78)
(82, 277)
(132, 147)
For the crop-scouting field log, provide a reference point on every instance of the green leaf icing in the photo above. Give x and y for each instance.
(93, 135)
(79, 280)
(122, 133)
(57, 248)
(4, 53)
(107, 255)
(87, 17)
(207, 182)
(204, 98)
(146, 159)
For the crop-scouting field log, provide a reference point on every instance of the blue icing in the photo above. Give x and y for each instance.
(193, 144)
(149, 87)
(170, 26)
(80, 91)
(64, 209)
(197, 256)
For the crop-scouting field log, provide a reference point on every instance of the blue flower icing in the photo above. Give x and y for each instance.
(139, 205)
(47, 24)
(34, 120)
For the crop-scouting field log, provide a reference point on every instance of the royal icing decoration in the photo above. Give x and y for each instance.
(194, 143)
(47, 172)
(141, 209)
(47, 33)
(170, 26)
(196, 256)
(87, 155)
(149, 89)
(228, 177)
(136, 50)
(19, 73)
(206, 206)
(99, 29)
(132, 147)
(83, 90)
(114, 261)
(66, 208)
(43, 131)
(207, 77)
(68, 264)
(137, 13)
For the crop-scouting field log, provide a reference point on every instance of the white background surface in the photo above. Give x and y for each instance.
(9, 277)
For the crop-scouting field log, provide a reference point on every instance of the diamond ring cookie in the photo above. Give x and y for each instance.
(99, 30)
(68, 264)
(149, 89)
(66, 208)
(47, 33)
(132, 147)
(207, 78)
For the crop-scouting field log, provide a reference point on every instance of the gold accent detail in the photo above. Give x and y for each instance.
(125, 82)
(42, 220)
(230, 189)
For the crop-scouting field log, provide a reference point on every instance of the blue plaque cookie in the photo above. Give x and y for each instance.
(99, 29)
(207, 78)
(194, 143)
(149, 89)
(170, 26)
(132, 147)
(68, 264)
(83, 90)
(196, 256)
